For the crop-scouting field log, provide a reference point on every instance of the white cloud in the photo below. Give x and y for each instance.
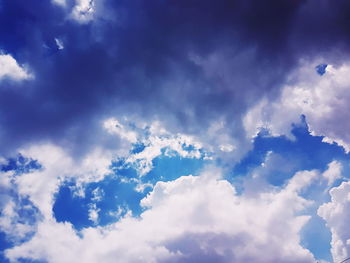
(227, 147)
(188, 220)
(203, 212)
(113, 126)
(155, 139)
(87, 11)
(5, 179)
(333, 172)
(10, 69)
(3, 161)
(40, 185)
(155, 145)
(97, 194)
(12, 223)
(323, 99)
(336, 213)
(93, 213)
(59, 2)
(219, 140)
(59, 44)
(83, 11)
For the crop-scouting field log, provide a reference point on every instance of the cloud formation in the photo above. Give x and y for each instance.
(322, 99)
(188, 219)
(336, 213)
(9, 69)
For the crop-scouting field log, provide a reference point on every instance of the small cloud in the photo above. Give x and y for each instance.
(10, 69)
(97, 194)
(333, 172)
(93, 213)
(59, 44)
(84, 11)
(59, 2)
(113, 126)
(227, 147)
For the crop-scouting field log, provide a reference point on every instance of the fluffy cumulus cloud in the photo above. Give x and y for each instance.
(321, 98)
(10, 221)
(189, 219)
(153, 140)
(336, 213)
(84, 10)
(10, 69)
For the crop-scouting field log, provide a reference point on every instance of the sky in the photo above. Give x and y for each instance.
(174, 131)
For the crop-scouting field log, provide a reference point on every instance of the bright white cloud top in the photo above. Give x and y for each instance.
(322, 99)
(10, 69)
(336, 213)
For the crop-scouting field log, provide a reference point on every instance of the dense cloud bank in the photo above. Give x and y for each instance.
(185, 62)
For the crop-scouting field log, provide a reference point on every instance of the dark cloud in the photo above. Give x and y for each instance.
(196, 247)
(185, 61)
(202, 247)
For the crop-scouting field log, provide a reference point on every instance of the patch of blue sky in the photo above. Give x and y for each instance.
(28, 260)
(116, 198)
(69, 207)
(118, 192)
(4, 244)
(305, 152)
(20, 164)
(27, 214)
(137, 148)
(189, 147)
(120, 166)
(321, 69)
(26, 211)
(316, 237)
(165, 167)
(169, 168)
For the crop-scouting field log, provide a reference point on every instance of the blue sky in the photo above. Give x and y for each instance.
(174, 131)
